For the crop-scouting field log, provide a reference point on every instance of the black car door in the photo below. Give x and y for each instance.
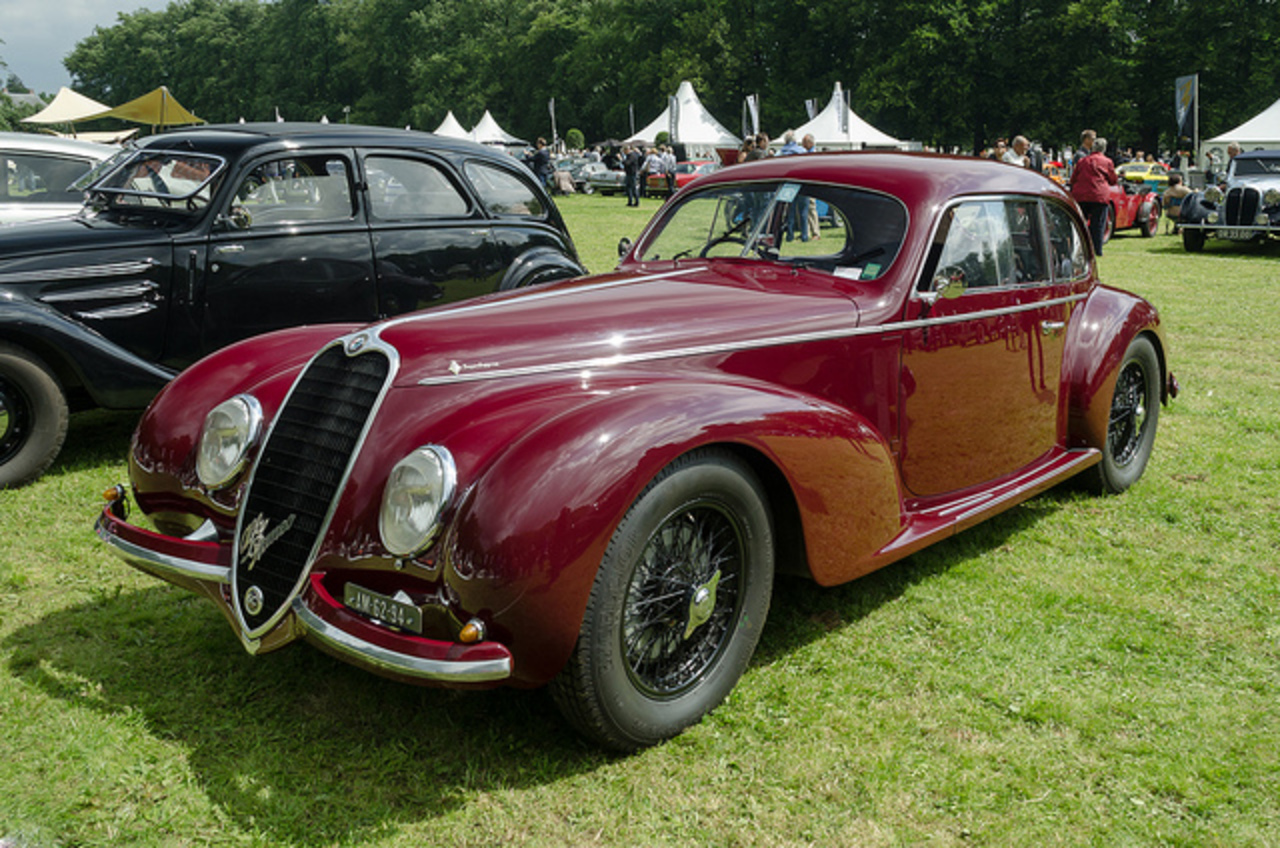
(430, 243)
(292, 248)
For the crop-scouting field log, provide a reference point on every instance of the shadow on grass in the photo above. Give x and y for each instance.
(308, 750)
(95, 437)
(1170, 245)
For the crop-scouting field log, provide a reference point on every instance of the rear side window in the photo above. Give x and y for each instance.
(32, 178)
(410, 188)
(503, 193)
(1066, 245)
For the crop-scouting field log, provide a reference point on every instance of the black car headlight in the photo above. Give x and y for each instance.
(417, 491)
(229, 431)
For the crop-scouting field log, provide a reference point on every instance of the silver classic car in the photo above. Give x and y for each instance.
(1245, 208)
(38, 170)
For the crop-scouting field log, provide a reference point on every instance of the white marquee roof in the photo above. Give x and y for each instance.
(1263, 128)
(693, 126)
(450, 127)
(837, 127)
(488, 132)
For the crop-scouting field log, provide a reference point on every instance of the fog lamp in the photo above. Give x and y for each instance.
(1213, 218)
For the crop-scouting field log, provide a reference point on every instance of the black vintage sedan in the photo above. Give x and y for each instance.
(194, 239)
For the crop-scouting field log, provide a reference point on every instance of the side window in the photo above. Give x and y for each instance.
(411, 188)
(993, 243)
(1066, 245)
(502, 192)
(304, 188)
(31, 178)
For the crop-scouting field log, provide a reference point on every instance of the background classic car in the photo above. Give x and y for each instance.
(591, 485)
(1132, 204)
(1245, 208)
(37, 171)
(197, 238)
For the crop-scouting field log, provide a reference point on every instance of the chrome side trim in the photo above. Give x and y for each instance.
(110, 312)
(160, 564)
(84, 272)
(345, 645)
(103, 293)
(466, 373)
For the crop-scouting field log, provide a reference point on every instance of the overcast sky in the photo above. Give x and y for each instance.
(38, 34)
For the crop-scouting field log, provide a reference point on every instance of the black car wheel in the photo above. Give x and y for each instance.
(677, 606)
(33, 416)
(1192, 240)
(1131, 428)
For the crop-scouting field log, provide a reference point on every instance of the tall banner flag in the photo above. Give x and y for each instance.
(1186, 92)
(751, 115)
(551, 107)
(673, 122)
(811, 106)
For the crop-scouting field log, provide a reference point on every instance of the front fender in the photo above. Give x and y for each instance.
(1101, 331)
(113, 377)
(1194, 209)
(530, 533)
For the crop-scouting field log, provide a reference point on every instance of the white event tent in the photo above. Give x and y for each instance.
(687, 122)
(1262, 130)
(450, 128)
(488, 132)
(837, 127)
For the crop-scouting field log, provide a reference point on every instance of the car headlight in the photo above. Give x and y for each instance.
(1271, 197)
(229, 431)
(418, 489)
(1213, 194)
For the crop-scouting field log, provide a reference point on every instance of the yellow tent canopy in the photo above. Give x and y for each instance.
(159, 108)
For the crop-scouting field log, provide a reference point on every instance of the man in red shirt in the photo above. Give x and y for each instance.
(1091, 183)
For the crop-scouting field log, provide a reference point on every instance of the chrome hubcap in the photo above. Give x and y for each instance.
(701, 604)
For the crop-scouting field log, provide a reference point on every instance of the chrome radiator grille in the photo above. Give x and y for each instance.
(1242, 206)
(297, 478)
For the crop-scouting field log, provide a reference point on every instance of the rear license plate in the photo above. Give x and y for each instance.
(387, 610)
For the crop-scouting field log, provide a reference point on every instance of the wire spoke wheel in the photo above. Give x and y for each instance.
(677, 605)
(1128, 414)
(682, 599)
(1133, 416)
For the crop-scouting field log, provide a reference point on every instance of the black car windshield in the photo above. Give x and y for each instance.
(850, 232)
(158, 179)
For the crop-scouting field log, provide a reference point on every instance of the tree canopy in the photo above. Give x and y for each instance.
(957, 73)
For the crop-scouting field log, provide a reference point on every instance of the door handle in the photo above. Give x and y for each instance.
(229, 248)
(1051, 328)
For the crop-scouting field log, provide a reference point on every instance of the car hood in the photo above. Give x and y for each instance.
(704, 308)
(58, 235)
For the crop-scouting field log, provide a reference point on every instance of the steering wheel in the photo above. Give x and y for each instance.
(727, 237)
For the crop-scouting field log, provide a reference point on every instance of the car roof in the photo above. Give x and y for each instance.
(40, 143)
(1258, 154)
(232, 139)
(913, 177)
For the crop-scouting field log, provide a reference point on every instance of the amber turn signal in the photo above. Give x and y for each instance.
(113, 493)
(472, 632)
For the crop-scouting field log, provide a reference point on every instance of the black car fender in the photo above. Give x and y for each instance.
(1194, 209)
(113, 377)
(540, 265)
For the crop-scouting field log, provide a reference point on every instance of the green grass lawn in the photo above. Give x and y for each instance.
(1076, 672)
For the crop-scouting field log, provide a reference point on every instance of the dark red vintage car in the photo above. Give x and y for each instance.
(590, 485)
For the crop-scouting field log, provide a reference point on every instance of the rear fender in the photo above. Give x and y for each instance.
(530, 533)
(540, 265)
(1101, 331)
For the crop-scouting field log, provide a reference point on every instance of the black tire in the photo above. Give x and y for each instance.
(33, 416)
(677, 606)
(1135, 412)
(1192, 240)
(1152, 225)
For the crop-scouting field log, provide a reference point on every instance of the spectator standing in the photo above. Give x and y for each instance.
(761, 149)
(631, 165)
(747, 146)
(1017, 154)
(542, 163)
(1091, 183)
(798, 214)
(669, 168)
(789, 146)
(653, 167)
(809, 145)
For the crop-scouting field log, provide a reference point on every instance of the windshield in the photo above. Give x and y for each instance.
(158, 179)
(1256, 167)
(850, 232)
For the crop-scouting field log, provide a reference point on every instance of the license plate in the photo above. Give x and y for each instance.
(1236, 235)
(387, 610)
